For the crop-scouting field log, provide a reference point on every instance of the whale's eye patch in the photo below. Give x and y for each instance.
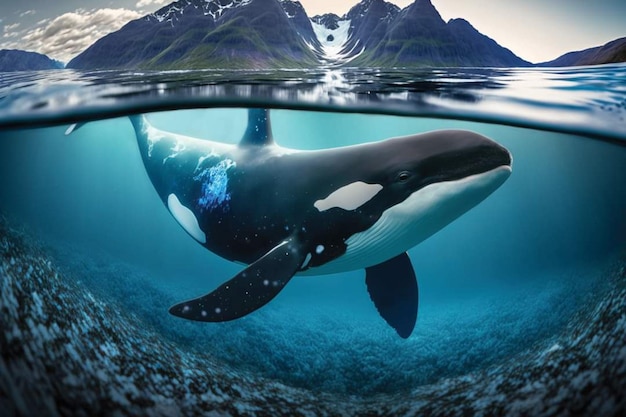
(404, 176)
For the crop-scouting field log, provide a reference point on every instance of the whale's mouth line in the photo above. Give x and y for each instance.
(452, 168)
(484, 160)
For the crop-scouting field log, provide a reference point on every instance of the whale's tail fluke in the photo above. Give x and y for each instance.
(74, 127)
(139, 123)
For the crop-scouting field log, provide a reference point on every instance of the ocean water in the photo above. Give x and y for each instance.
(522, 299)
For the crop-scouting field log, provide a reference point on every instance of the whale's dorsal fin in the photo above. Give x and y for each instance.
(259, 131)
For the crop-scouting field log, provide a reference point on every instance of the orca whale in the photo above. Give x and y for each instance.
(284, 212)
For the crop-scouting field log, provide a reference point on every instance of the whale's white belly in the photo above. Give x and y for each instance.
(405, 225)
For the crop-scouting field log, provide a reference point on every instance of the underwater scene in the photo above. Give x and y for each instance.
(193, 243)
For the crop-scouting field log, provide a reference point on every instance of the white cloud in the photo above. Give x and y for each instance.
(27, 12)
(67, 35)
(145, 3)
(10, 32)
(10, 28)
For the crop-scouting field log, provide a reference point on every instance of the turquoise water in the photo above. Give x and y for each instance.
(508, 279)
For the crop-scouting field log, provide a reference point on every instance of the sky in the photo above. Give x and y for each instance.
(535, 30)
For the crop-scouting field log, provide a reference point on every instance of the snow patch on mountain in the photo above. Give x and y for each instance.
(334, 41)
(216, 13)
(213, 8)
(289, 7)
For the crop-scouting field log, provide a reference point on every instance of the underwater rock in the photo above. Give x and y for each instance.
(65, 351)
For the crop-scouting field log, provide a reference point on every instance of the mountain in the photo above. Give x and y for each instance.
(16, 60)
(380, 34)
(209, 34)
(418, 36)
(369, 23)
(612, 52)
(300, 21)
(190, 34)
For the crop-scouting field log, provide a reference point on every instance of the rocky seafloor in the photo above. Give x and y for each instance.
(65, 351)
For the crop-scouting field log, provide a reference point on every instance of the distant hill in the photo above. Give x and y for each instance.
(612, 52)
(191, 34)
(16, 60)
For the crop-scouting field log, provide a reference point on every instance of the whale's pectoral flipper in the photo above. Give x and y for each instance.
(249, 290)
(392, 286)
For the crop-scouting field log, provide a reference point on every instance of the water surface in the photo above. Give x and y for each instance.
(520, 298)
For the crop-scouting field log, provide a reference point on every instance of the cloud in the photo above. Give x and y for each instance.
(145, 3)
(9, 30)
(67, 35)
(27, 12)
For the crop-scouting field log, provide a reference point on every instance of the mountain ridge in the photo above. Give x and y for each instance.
(609, 53)
(18, 60)
(418, 36)
(250, 34)
(193, 34)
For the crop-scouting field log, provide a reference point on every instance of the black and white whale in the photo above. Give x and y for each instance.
(284, 212)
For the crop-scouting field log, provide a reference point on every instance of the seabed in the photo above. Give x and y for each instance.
(66, 352)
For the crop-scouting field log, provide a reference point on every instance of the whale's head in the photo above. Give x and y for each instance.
(418, 184)
(441, 167)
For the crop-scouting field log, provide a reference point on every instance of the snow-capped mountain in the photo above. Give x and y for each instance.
(215, 9)
(345, 38)
(381, 34)
(278, 33)
(300, 20)
(209, 34)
